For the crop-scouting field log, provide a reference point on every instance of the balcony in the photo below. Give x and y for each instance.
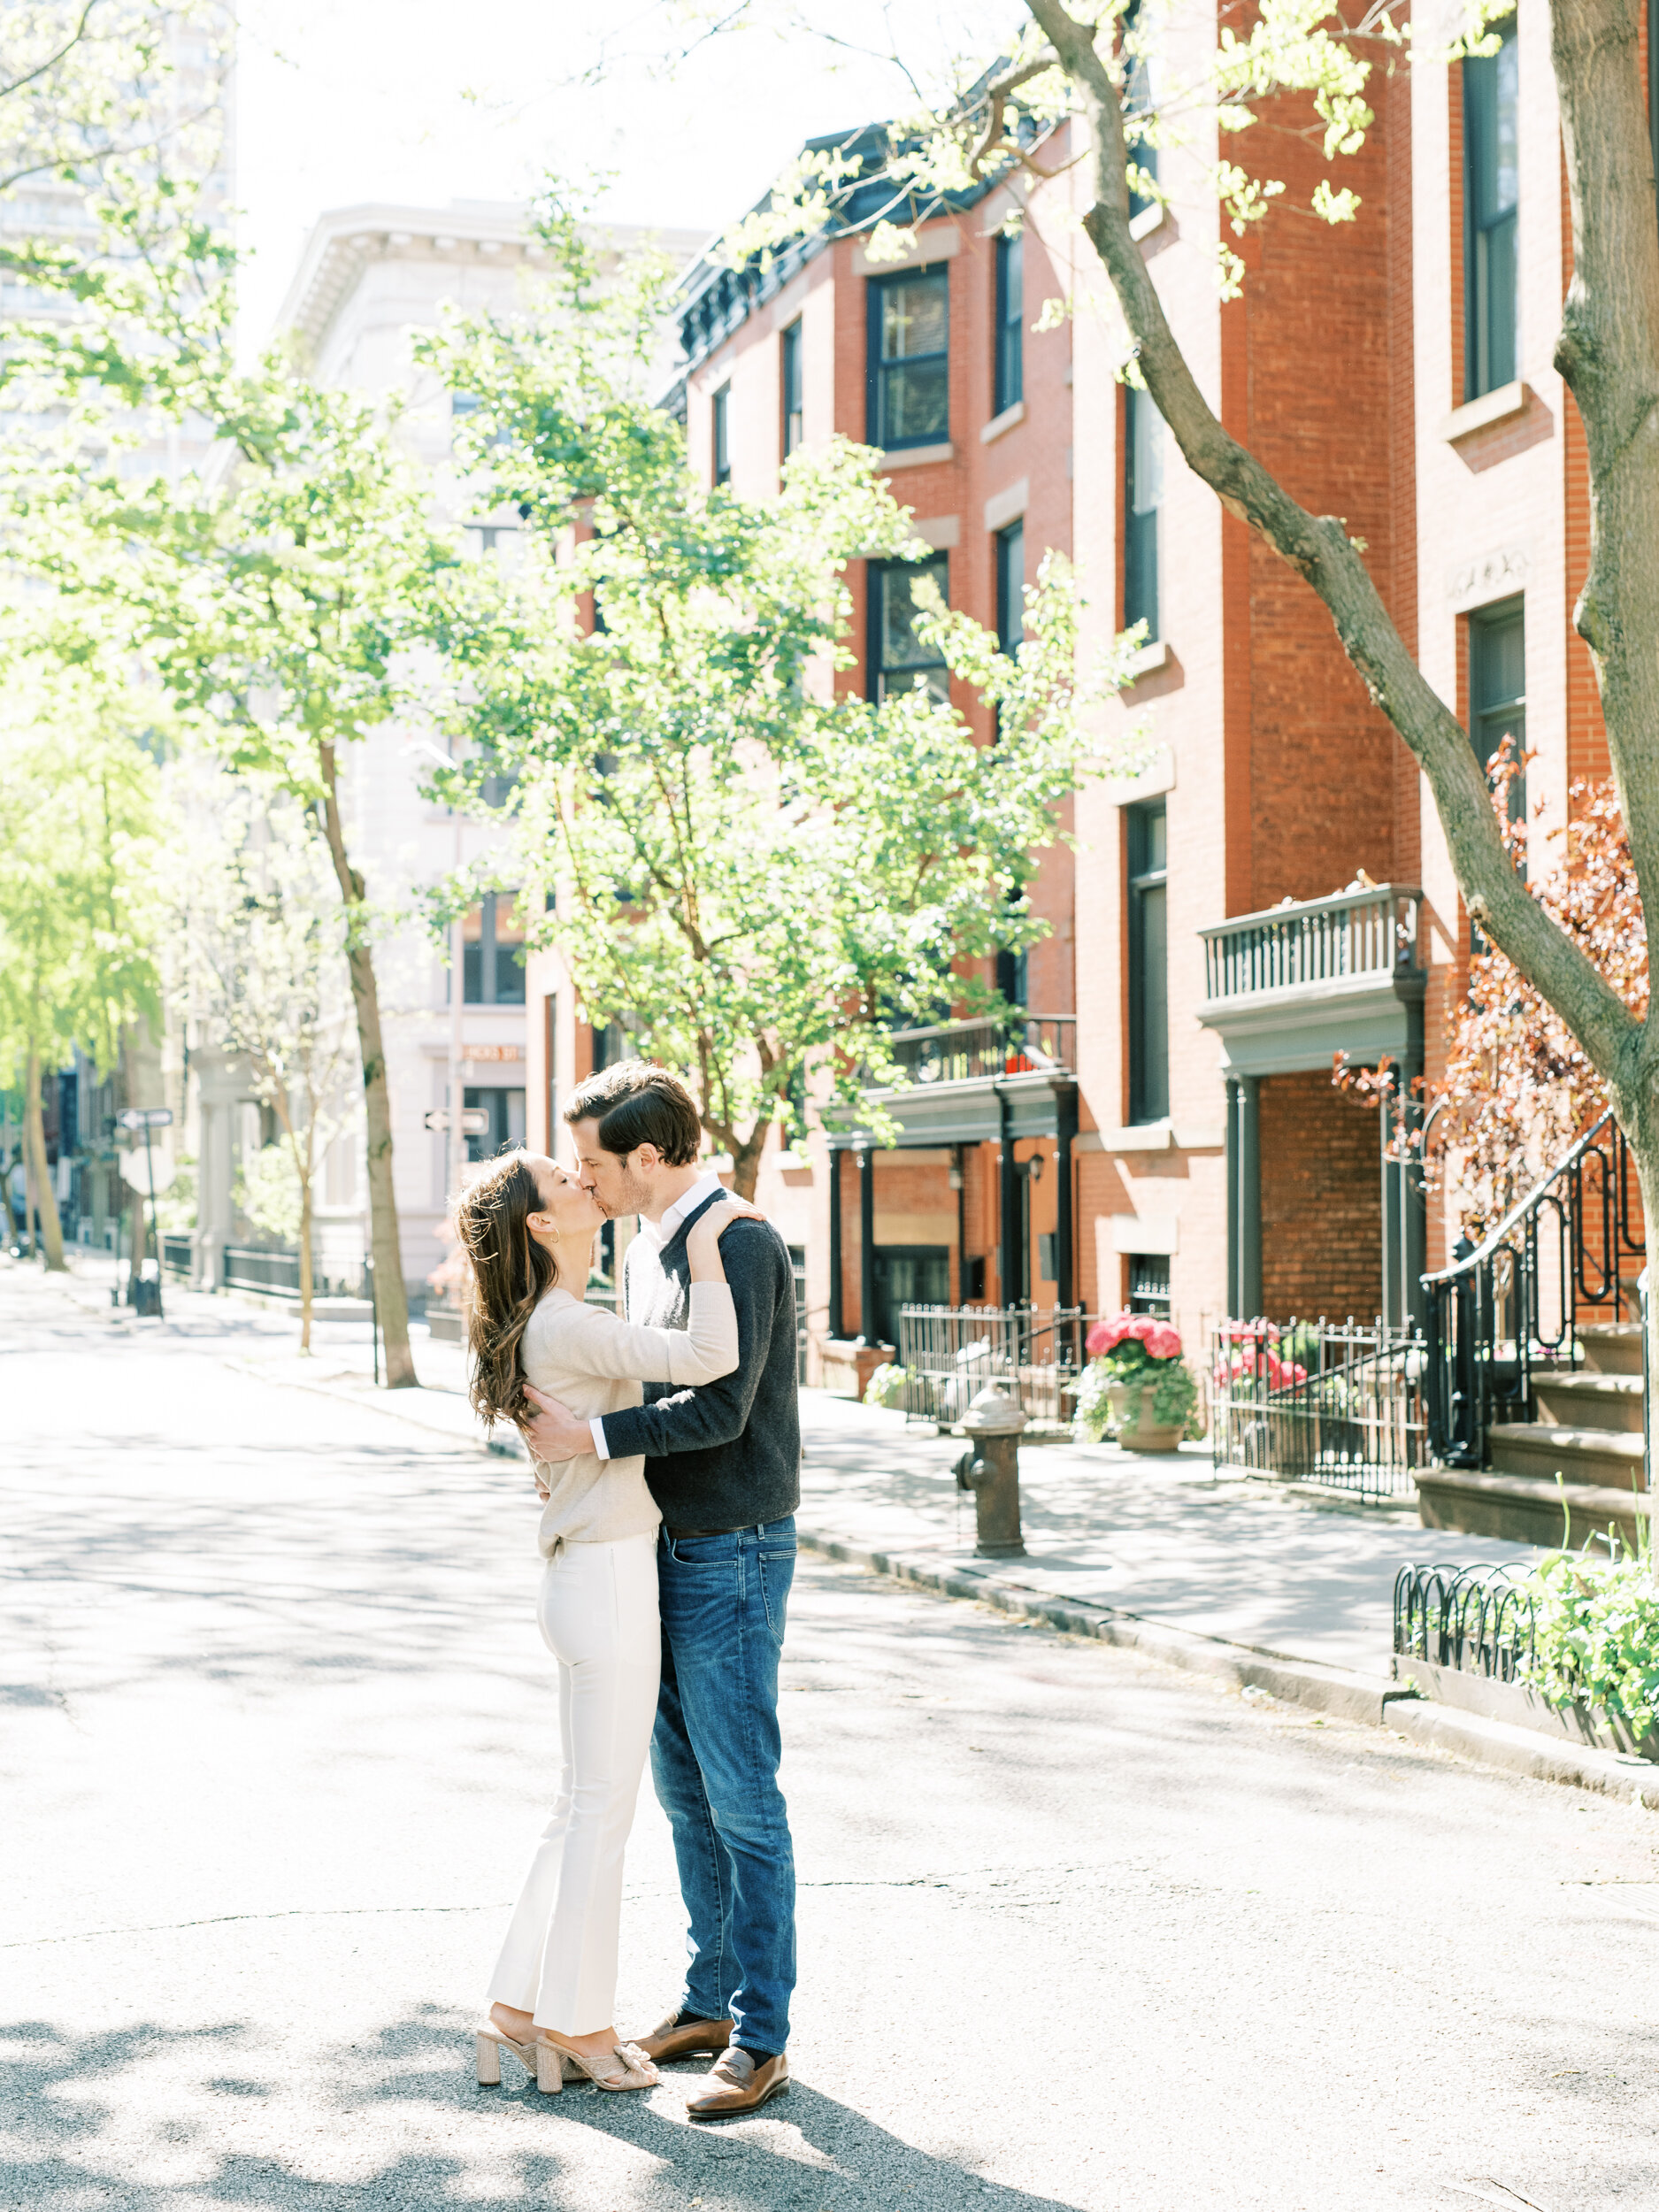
(978, 1051)
(1291, 988)
(972, 1081)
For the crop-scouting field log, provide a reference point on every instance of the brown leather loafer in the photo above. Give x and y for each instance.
(678, 2037)
(740, 2083)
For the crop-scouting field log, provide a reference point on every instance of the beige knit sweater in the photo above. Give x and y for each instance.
(596, 1364)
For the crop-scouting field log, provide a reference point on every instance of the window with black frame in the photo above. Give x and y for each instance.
(1149, 1284)
(1143, 496)
(899, 660)
(723, 434)
(1010, 325)
(1137, 102)
(1148, 964)
(794, 413)
(908, 391)
(1011, 587)
(493, 953)
(1497, 688)
(1492, 176)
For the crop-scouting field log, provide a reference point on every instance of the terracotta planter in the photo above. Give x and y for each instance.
(1137, 1431)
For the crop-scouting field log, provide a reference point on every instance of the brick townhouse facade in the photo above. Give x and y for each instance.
(1270, 887)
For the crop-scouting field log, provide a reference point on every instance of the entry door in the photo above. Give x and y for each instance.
(909, 1275)
(505, 1109)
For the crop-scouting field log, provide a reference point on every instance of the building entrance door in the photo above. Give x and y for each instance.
(909, 1275)
(505, 1109)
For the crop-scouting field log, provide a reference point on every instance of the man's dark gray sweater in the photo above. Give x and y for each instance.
(728, 1454)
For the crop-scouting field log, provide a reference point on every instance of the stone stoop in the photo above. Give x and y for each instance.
(1589, 1437)
(1526, 1509)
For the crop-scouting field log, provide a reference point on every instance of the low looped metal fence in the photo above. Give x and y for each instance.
(1336, 1404)
(1481, 1620)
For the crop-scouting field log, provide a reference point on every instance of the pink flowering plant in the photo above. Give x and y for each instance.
(1143, 1355)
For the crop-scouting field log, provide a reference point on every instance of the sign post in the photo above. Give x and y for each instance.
(149, 1117)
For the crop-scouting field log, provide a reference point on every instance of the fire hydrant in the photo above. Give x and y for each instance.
(990, 1469)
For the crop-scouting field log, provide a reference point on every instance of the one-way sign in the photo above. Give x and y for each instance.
(146, 1118)
(474, 1120)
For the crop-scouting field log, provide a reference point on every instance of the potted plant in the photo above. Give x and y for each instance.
(1137, 1378)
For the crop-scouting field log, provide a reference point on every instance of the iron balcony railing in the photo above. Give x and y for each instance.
(976, 1051)
(1356, 934)
(1338, 1404)
(1514, 1305)
(949, 1354)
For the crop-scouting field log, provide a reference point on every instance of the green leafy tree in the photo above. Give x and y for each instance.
(112, 127)
(78, 872)
(750, 866)
(266, 596)
(265, 932)
(270, 603)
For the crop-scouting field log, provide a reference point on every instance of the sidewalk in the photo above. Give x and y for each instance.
(1166, 1539)
(1258, 1563)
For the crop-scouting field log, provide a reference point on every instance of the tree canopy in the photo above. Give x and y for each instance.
(753, 865)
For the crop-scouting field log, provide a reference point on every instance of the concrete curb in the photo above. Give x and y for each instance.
(1372, 1700)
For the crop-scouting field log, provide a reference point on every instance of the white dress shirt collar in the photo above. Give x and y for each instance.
(704, 1188)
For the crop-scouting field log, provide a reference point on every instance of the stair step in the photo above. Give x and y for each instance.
(1612, 1347)
(1522, 1510)
(1584, 1399)
(1543, 1449)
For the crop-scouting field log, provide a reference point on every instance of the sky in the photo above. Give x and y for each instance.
(340, 102)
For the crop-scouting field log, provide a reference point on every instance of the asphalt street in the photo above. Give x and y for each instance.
(1075, 1932)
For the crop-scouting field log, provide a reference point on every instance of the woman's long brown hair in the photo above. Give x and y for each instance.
(512, 1273)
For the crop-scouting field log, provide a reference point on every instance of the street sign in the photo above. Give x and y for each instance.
(146, 1118)
(474, 1120)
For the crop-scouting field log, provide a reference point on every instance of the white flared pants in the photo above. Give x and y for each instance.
(598, 1613)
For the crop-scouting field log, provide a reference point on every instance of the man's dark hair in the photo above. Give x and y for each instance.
(636, 1103)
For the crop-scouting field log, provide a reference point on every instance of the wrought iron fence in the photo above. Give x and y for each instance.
(1514, 1305)
(968, 1052)
(1480, 1620)
(950, 1353)
(176, 1255)
(1317, 941)
(1315, 1401)
(248, 1267)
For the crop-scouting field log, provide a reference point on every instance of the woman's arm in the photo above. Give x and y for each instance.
(591, 1341)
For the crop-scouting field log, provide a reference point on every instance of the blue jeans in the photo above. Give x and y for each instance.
(714, 1760)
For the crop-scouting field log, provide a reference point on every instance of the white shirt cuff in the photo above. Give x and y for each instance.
(596, 1428)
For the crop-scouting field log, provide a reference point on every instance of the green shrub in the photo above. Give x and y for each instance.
(886, 1386)
(1596, 1636)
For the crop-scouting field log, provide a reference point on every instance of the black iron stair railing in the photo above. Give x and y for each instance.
(1513, 1305)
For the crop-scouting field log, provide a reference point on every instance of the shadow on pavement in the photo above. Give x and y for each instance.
(135, 2118)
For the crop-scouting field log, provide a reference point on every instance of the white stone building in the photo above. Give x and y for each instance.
(369, 276)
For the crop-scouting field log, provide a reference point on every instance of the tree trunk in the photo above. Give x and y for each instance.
(1320, 550)
(746, 1160)
(34, 1138)
(1608, 355)
(383, 1237)
(306, 1266)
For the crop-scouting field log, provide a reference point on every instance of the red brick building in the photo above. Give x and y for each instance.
(1270, 887)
